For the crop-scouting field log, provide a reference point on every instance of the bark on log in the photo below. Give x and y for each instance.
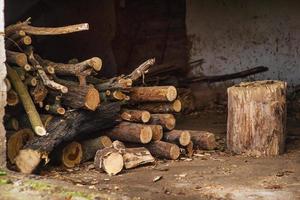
(142, 116)
(153, 94)
(131, 132)
(71, 155)
(203, 139)
(162, 149)
(111, 84)
(167, 121)
(157, 132)
(134, 157)
(118, 145)
(190, 149)
(55, 109)
(39, 93)
(12, 98)
(30, 80)
(141, 70)
(257, 118)
(66, 128)
(170, 107)
(109, 160)
(28, 105)
(91, 146)
(17, 58)
(178, 137)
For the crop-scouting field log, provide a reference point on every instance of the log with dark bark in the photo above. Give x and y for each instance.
(91, 146)
(134, 157)
(203, 139)
(109, 160)
(157, 132)
(141, 70)
(178, 137)
(256, 122)
(162, 149)
(142, 116)
(167, 121)
(131, 132)
(153, 94)
(161, 107)
(16, 58)
(73, 123)
(12, 98)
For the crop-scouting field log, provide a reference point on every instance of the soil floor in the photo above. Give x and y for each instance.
(208, 175)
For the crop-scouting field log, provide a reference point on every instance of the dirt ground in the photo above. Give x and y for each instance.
(208, 175)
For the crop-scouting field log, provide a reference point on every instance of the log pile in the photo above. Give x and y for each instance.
(73, 115)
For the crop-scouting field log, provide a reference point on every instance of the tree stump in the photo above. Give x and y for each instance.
(257, 118)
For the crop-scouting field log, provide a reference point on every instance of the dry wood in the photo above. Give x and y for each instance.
(153, 94)
(109, 160)
(55, 109)
(179, 137)
(109, 96)
(71, 155)
(203, 139)
(91, 146)
(118, 145)
(16, 142)
(134, 157)
(27, 102)
(131, 132)
(17, 58)
(12, 98)
(142, 116)
(39, 93)
(159, 107)
(21, 72)
(162, 149)
(257, 118)
(11, 41)
(24, 41)
(157, 132)
(31, 30)
(111, 84)
(62, 129)
(30, 80)
(167, 121)
(141, 70)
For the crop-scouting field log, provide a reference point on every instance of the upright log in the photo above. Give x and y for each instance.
(165, 107)
(162, 149)
(131, 132)
(203, 139)
(179, 137)
(153, 94)
(91, 146)
(257, 118)
(167, 121)
(142, 116)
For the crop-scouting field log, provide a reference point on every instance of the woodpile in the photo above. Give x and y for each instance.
(74, 116)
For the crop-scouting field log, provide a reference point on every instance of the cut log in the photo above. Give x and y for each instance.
(131, 132)
(190, 149)
(109, 96)
(134, 157)
(71, 155)
(17, 58)
(16, 142)
(55, 109)
(153, 94)
(170, 107)
(39, 93)
(21, 72)
(157, 132)
(162, 149)
(141, 70)
(31, 30)
(91, 146)
(142, 116)
(61, 129)
(203, 139)
(111, 84)
(118, 145)
(109, 160)
(12, 98)
(30, 80)
(178, 137)
(24, 41)
(28, 105)
(256, 122)
(167, 121)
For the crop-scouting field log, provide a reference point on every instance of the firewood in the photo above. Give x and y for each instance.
(157, 132)
(153, 94)
(91, 146)
(162, 149)
(12, 98)
(30, 80)
(38, 93)
(21, 72)
(190, 149)
(113, 83)
(257, 118)
(27, 102)
(178, 137)
(159, 107)
(71, 155)
(66, 128)
(109, 96)
(11, 40)
(203, 139)
(118, 145)
(24, 41)
(17, 58)
(134, 157)
(109, 160)
(11, 123)
(142, 116)
(141, 70)
(167, 121)
(131, 132)
(55, 109)
(31, 30)
(16, 142)
(25, 123)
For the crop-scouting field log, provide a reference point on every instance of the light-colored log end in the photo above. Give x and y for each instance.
(146, 134)
(26, 40)
(170, 122)
(92, 99)
(185, 138)
(12, 98)
(27, 67)
(96, 63)
(72, 155)
(105, 141)
(113, 163)
(157, 132)
(174, 152)
(145, 116)
(27, 160)
(177, 105)
(171, 93)
(39, 130)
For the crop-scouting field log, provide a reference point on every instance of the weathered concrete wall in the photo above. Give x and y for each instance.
(234, 35)
(2, 88)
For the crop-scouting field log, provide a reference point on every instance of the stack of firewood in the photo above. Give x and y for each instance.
(72, 115)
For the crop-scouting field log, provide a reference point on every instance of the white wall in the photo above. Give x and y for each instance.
(233, 35)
